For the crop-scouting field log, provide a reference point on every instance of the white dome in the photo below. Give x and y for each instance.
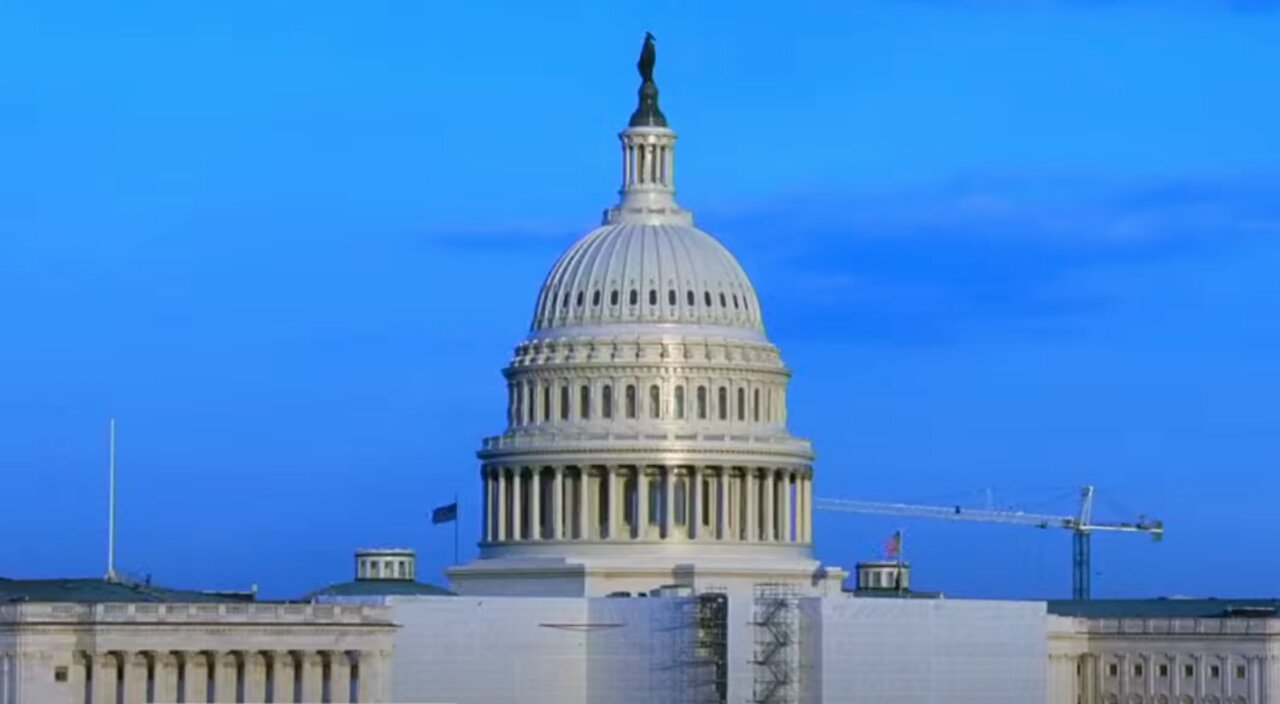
(644, 273)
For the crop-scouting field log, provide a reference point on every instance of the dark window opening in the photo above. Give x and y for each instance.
(671, 297)
(606, 402)
(702, 402)
(580, 299)
(742, 404)
(584, 402)
(631, 401)
(689, 297)
(566, 300)
(655, 401)
(564, 403)
(722, 303)
(707, 297)
(679, 410)
(635, 297)
(613, 298)
(595, 298)
(735, 301)
(653, 297)
(722, 397)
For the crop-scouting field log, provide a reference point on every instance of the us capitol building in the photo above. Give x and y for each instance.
(647, 537)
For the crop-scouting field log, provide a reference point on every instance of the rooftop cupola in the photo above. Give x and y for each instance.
(648, 158)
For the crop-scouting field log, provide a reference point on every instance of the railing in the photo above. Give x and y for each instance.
(189, 613)
(553, 440)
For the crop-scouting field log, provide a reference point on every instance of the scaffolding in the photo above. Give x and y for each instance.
(776, 659)
(699, 649)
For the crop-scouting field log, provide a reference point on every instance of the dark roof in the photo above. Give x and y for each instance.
(1168, 608)
(380, 587)
(94, 591)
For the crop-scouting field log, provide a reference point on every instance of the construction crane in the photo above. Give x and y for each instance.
(1081, 525)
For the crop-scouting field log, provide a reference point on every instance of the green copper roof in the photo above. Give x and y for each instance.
(380, 587)
(1167, 608)
(93, 591)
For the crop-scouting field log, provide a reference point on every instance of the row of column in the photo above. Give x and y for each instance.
(122, 677)
(629, 502)
(647, 163)
(530, 403)
(1097, 683)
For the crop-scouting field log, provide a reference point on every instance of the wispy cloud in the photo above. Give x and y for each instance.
(1005, 256)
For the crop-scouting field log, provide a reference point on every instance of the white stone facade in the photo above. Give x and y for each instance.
(1233, 660)
(118, 653)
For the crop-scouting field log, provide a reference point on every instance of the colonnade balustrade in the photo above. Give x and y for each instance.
(139, 677)
(643, 502)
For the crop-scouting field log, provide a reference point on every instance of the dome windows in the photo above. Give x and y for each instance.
(735, 301)
(606, 402)
(707, 297)
(690, 298)
(613, 297)
(631, 401)
(679, 403)
(581, 297)
(595, 298)
(702, 403)
(564, 402)
(653, 296)
(742, 403)
(565, 304)
(635, 297)
(584, 402)
(671, 297)
(655, 401)
(722, 403)
(722, 301)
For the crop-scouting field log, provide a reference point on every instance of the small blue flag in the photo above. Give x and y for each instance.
(445, 514)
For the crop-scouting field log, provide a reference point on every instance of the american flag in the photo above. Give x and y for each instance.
(893, 546)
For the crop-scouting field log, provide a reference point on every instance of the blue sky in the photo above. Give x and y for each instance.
(1016, 246)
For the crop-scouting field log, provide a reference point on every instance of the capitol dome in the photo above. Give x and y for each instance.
(646, 440)
(647, 274)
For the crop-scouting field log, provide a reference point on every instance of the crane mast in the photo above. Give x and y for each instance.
(1081, 525)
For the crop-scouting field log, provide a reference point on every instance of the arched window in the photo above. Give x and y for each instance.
(671, 297)
(706, 296)
(689, 297)
(518, 397)
(606, 402)
(755, 406)
(653, 296)
(584, 402)
(635, 296)
(631, 401)
(564, 402)
(595, 298)
(655, 401)
(722, 398)
(679, 410)
(565, 304)
(531, 405)
(735, 301)
(702, 403)
(546, 403)
(742, 403)
(580, 299)
(722, 302)
(613, 297)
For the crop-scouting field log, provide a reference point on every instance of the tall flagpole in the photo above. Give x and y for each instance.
(456, 520)
(111, 506)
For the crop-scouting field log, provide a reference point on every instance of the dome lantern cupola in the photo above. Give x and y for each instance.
(648, 158)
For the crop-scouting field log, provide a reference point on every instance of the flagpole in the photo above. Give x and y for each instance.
(902, 541)
(456, 519)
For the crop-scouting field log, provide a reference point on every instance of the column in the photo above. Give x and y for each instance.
(135, 678)
(255, 678)
(368, 677)
(502, 503)
(581, 497)
(312, 676)
(103, 675)
(641, 530)
(224, 679)
(784, 487)
(668, 501)
(283, 676)
(339, 677)
(517, 502)
(768, 492)
(535, 504)
(750, 517)
(693, 516)
(722, 504)
(486, 527)
(615, 503)
(557, 502)
(808, 507)
(195, 677)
